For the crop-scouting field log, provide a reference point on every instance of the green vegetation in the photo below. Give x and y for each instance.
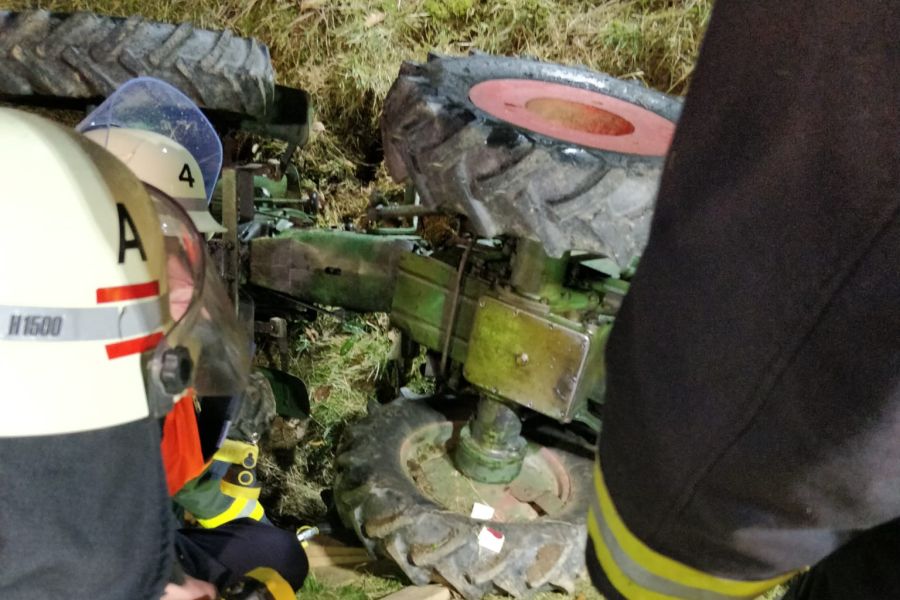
(367, 587)
(341, 362)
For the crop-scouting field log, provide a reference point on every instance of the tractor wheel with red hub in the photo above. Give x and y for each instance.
(397, 487)
(564, 155)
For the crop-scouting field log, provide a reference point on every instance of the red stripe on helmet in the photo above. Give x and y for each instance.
(127, 292)
(133, 346)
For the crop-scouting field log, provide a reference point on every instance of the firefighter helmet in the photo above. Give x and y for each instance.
(84, 325)
(163, 163)
(182, 160)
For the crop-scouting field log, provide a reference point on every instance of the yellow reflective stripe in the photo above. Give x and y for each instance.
(258, 512)
(657, 564)
(234, 452)
(617, 578)
(239, 509)
(239, 491)
(275, 583)
(231, 513)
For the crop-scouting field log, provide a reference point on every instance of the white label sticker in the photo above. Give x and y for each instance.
(482, 512)
(491, 539)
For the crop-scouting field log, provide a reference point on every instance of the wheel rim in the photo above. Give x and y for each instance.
(575, 115)
(543, 488)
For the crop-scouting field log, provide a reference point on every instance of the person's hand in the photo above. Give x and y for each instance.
(191, 589)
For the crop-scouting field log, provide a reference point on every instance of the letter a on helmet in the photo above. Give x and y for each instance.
(81, 317)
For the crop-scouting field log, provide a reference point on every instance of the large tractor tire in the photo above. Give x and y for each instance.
(86, 56)
(397, 488)
(560, 154)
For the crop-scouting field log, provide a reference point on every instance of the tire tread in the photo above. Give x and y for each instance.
(380, 502)
(86, 55)
(435, 136)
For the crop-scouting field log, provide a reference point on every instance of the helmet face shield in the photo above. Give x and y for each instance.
(223, 366)
(205, 348)
(154, 105)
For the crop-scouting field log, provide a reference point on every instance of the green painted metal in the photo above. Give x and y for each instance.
(291, 395)
(539, 345)
(491, 448)
(534, 274)
(537, 276)
(531, 359)
(273, 188)
(542, 486)
(612, 291)
(332, 268)
(534, 342)
(422, 300)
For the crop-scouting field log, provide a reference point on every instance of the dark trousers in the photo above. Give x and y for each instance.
(867, 568)
(223, 555)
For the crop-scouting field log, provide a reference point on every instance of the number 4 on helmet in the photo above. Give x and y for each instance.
(165, 140)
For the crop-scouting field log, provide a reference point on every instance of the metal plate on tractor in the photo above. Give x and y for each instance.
(528, 359)
(333, 268)
(423, 299)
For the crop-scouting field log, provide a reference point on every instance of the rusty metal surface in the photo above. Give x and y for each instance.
(533, 360)
(423, 299)
(542, 487)
(333, 268)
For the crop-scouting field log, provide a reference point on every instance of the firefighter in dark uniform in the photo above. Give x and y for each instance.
(90, 360)
(93, 358)
(752, 424)
(167, 142)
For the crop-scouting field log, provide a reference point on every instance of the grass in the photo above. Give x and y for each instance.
(367, 587)
(341, 361)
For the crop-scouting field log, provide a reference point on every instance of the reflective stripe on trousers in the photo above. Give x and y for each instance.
(640, 573)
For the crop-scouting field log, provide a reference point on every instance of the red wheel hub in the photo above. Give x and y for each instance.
(575, 115)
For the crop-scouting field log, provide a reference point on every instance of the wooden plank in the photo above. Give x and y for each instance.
(336, 576)
(336, 550)
(421, 592)
(324, 556)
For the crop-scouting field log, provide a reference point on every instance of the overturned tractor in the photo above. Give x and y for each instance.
(548, 174)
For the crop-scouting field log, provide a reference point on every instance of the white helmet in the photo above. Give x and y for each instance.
(163, 163)
(86, 338)
(184, 158)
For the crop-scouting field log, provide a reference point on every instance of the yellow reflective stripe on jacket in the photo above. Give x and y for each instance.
(639, 572)
(257, 513)
(274, 582)
(239, 491)
(239, 509)
(244, 500)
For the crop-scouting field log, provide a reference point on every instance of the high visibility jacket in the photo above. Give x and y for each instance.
(181, 453)
(753, 395)
(227, 490)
